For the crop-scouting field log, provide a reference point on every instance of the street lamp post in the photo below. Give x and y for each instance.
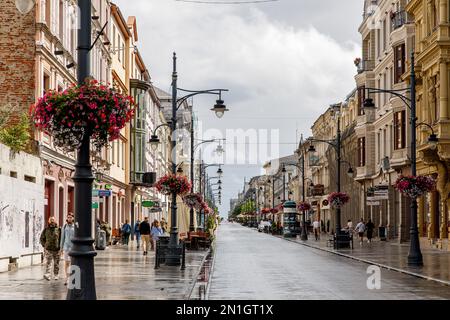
(337, 145)
(415, 255)
(193, 147)
(83, 253)
(173, 256)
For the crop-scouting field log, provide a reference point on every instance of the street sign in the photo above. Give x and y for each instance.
(373, 203)
(94, 205)
(104, 193)
(95, 193)
(149, 204)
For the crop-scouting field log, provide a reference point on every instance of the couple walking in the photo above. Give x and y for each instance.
(149, 234)
(361, 227)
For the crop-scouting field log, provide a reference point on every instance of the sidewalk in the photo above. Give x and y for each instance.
(120, 274)
(389, 255)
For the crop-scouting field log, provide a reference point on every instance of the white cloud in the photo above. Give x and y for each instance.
(279, 76)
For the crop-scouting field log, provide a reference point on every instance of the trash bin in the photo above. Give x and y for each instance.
(382, 233)
(100, 240)
(162, 245)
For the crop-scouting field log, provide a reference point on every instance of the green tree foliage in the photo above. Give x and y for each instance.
(17, 136)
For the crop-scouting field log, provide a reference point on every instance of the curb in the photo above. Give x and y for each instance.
(211, 273)
(447, 283)
(195, 279)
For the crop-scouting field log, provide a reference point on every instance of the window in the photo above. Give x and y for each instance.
(48, 10)
(362, 152)
(399, 59)
(114, 38)
(400, 130)
(118, 152)
(119, 44)
(123, 154)
(361, 98)
(46, 83)
(61, 20)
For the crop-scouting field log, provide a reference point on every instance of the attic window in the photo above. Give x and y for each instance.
(30, 179)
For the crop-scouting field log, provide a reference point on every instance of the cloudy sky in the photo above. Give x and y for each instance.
(284, 62)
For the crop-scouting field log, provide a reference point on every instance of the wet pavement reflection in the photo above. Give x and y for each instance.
(252, 265)
(121, 274)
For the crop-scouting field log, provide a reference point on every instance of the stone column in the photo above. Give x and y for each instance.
(443, 90)
(433, 204)
(420, 215)
(443, 221)
(443, 11)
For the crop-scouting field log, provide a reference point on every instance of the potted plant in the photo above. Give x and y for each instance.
(338, 199)
(92, 108)
(173, 183)
(304, 206)
(193, 200)
(415, 186)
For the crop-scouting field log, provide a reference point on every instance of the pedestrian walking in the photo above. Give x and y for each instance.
(163, 225)
(360, 228)
(316, 228)
(50, 240)
(349, 227)
(107, 228)
(126, 231)
(156, 232)
(67, 234)
(370, 227)
(144, 230)
(137, 233)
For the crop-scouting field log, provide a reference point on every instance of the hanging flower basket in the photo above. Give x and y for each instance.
(92, 108)
(415, 186)
(357, 62)
(274, 211)
(173, 184)
(338, 199)
(192, 200)
(265, 210)
(304, 206)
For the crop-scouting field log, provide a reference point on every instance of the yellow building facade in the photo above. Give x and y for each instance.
(432, 50)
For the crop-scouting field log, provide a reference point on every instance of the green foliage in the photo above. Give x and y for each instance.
(17, 136)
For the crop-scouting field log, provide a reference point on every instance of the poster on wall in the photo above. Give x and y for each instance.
(21, 217)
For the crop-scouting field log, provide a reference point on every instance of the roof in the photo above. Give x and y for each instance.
(162, 94)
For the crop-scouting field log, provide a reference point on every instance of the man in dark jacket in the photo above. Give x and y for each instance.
(50, 240)
(144, 230)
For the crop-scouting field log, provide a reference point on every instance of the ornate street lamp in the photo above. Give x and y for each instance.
(415, 255)
(25, 6)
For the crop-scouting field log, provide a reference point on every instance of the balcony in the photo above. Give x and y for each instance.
(365, 65)
(398, 19)
(143, 179)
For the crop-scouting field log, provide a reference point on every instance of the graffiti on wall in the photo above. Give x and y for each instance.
(21, 217)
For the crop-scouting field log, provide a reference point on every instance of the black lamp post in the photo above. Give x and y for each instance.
(83, 253)
(173, 257)
(336, 144)
(415, 255)
(193, 148)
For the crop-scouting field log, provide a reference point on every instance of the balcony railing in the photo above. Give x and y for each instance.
(398, 19)
(366, 65)
(143, 179)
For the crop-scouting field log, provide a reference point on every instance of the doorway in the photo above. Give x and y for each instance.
(61, 206)
(49, 199)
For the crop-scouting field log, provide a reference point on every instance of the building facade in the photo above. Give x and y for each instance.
(432, 51)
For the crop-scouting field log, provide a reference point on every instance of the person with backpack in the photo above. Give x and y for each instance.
(126, 231)
(50, 240)
(137, 233)
(66, 244)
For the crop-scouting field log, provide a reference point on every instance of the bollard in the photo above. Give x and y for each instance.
(183, 257)
(157, 255)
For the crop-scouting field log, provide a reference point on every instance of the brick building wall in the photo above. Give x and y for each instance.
(17, 58)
